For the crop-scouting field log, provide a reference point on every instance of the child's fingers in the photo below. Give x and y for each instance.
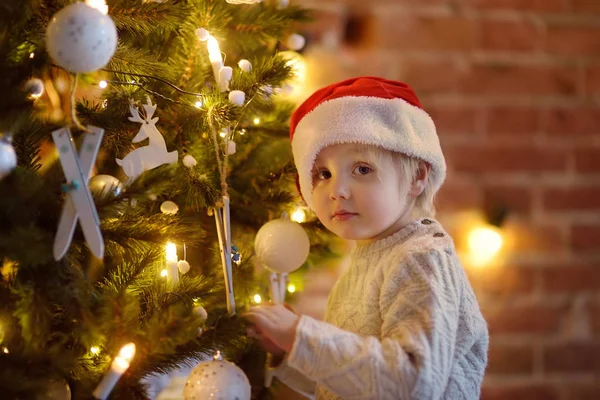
(260, 319)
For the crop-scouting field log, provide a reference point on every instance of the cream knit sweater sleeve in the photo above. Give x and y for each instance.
(419, 304)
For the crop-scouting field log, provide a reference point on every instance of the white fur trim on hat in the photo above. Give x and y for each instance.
(393, 124)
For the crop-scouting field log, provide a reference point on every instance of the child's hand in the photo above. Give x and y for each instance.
(276, 324)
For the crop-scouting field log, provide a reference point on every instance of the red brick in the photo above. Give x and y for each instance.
(570, 279)
(404, 31)
(507, 360)
(593, 79)
(511, 36)
(522, 5)
(524, 237)
(453, 119)
(586, 7)
(517, 199)
(594, 313)
(521, 392)
(582, 391)
(325, 20)
(513, 121)
(572, 358)
(572, 198)
(499, 281)
(490, 158)
(587, 160)
(433, 77)
(585, 238)
(573, 40)
(574, 121)
(505, 78)
(455, 196)
(518, 319)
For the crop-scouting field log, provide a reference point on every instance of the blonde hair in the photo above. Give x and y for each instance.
(409, 168)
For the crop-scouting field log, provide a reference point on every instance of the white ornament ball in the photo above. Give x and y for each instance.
(8, 159)
(80, 38)
(200, 313)
(183, 266)
(169, 208)
(295, 42)
(237, 97)
(202, 34)
(105, 185)
(245, 65)
(217, 380)
(189, 161)
(282, 245)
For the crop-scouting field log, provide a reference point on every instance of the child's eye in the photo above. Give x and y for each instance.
(362, 170)
(322, 174)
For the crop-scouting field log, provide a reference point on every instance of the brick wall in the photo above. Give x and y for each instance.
(514, 88)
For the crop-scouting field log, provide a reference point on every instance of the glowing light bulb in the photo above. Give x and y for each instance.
(484, 243)
(5, 350)
(256, 121)
(242, 132)
(291, 288)
(94, 350)
(31, 55)
(164, 273)
(102, 84)
(298, 215)
(171, 251)
(99, 5)
(257, 298)
(198, 104)
(223, 134)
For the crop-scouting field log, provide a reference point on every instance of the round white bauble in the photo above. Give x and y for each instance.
(281, 245)
(237, 97)
(80, 38)
(8, 158)
(34, 88)
(217, 380)
(183, 266)
(189, 161)
(105, 185)
(200, 313)
(55, 390)
(245, 65)
(295, 41)
(169, 208)
(202, 34)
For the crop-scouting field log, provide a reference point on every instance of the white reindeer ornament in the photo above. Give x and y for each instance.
(150, 156)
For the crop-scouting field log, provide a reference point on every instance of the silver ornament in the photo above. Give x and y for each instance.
(105, 185)
(217, 379)
(8, 158)
(81, 38)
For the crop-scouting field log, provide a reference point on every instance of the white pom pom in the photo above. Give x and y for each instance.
(169, 208)
(189, 161)
(183, 266)
(283, 3)
(152, 196)
(225, 74)
(202, 34)
(245, 65)
(237, 97)
(200, 313)
(295, 41)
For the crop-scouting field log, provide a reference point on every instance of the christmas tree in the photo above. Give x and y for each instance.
(171, 112)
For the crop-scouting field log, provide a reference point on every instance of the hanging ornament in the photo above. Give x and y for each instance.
(295, 42)
(169, 208)
(282, 245)
(236, 256)
(150, 156)
(105, 185)
(217, 379)
(79, 205)
(81, 38)
(55, 390)
(34, 88)
(245, 65)
(183, 266)
(237, 97)
(189, 161)
(201, 313)
(8, 157)
(202, 34)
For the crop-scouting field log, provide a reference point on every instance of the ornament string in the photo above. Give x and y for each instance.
(74, 119)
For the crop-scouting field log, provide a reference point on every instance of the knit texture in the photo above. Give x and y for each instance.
(401, 323)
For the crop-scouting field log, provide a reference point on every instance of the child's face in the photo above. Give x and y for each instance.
(359, 199)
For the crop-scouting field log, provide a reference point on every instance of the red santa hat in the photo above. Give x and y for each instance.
(366, 110)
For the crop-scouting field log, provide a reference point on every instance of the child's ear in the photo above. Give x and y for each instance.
(420, 181)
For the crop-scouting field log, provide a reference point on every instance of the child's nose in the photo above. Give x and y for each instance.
(340, 189)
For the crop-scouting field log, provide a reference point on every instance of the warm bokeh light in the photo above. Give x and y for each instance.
(164, 273)
(257, 299)
(103, 84)
(99, 5)
(95, 350)
(214, 52)
(171, 251)
(198, 104)
(484, 243)
(298, 215)
(127, 352)
(256, 121)
(291, 288)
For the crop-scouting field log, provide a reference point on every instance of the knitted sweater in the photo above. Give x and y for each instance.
(401, 323)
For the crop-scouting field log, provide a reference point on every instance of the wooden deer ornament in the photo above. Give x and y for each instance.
(150, 156)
